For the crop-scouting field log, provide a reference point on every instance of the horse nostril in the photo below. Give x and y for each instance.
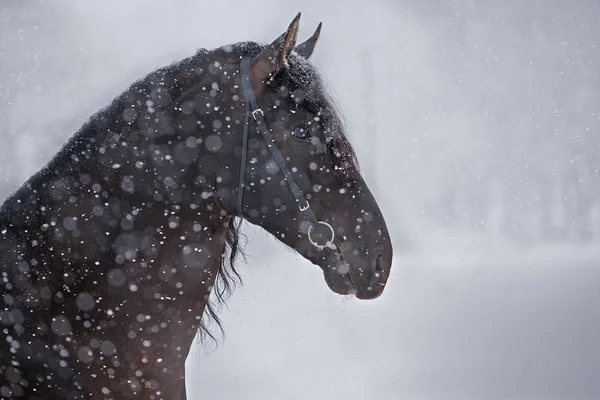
(379, 266)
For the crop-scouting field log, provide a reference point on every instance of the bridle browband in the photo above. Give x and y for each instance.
(252, 108)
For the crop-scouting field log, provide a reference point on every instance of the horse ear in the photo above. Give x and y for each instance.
(272, 59)
(306, 49)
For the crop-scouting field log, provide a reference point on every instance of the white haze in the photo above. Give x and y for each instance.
(476, 124)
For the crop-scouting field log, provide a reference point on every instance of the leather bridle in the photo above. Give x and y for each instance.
(253, 109)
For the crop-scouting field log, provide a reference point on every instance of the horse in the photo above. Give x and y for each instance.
(109, 253)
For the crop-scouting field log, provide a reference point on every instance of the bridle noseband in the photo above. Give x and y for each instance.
(252, 108)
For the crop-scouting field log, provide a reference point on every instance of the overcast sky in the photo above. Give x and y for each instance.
(437, 95)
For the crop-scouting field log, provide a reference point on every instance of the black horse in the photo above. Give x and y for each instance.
(109, 253)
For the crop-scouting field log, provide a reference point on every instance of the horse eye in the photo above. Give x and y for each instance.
(301, 132)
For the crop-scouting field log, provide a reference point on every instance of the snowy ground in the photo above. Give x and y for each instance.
(438, 95)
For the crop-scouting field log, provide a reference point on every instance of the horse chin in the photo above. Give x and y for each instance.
(339, 278)
(340, 283)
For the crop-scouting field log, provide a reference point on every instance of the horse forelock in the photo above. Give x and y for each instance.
(304, 76)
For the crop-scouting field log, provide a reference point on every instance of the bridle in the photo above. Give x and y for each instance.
(252, 108)
(321, 239)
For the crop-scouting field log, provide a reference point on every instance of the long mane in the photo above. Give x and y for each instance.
(227, 279)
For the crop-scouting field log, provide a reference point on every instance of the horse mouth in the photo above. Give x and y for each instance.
(363, 285)
(338, 278)
(348, 287)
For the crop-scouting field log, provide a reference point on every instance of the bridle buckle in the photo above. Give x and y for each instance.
(304, 208)
(258, 110)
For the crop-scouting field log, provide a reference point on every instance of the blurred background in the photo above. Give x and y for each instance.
(477, 127)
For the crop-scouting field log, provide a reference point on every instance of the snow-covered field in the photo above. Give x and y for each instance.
(476, 124)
